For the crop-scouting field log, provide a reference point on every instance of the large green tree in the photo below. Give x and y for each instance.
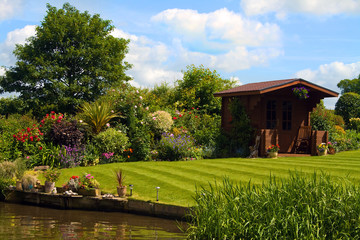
(197, 89)
(71, 59)
(348, 106)
(347, 85)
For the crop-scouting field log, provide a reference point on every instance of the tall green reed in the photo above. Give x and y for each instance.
(299, 207)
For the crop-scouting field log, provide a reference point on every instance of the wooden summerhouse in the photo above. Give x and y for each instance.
(279, 115)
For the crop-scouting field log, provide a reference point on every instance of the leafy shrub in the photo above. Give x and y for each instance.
(354, 124)
(97, 115)
(66, 133)
(160, 121)
(175, 148)
(348, 106)
(344, 140)
(49, 155)
(294, 208)
(111, 141)
(28, 140)
(7, 169)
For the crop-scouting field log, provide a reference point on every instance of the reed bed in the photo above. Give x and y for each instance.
(297, 207)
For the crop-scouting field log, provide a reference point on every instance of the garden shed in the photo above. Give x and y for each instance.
(279, 111)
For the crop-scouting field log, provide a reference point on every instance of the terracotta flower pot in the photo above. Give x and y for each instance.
(49, 186)
(121, 191)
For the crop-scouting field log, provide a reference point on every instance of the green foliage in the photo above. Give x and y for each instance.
(236, 142)
(296, 208)
(11, 105)
(97, 115)
(197, 89)
(324, 119)
(7, 169)
(354, 124)
(348, 106)
(345, 140)
(52, 175)
(347, 85)
(160, 97)
(48, 156)
(111, 141)
(72, 58)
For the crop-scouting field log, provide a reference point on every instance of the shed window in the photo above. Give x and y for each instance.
(286, 115)
(271, 114)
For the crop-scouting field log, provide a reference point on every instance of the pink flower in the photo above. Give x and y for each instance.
(27, 157)
(108, 124)
(154, 118)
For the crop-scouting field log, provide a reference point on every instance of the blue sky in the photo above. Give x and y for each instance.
(247, 40)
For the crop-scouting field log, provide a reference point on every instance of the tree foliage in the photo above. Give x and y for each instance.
(347, 85)
(71, 59)
(348, 106)
(197, 89)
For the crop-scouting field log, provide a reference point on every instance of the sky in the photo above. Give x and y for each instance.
(244, 40)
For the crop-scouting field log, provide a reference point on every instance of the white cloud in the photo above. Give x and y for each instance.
(9, 7)
(316, 7)
(329, 75)
(18, 36)
(221, 29)
(149, 59)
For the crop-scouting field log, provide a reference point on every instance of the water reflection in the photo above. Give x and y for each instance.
(30, 222)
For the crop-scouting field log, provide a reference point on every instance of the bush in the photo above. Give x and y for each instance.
(344, 140)
(66, 133)
(111, 141)
(160, 122)
(294, 208)
(175, 148)
(71, 156)
(348, 106)
(354, 124)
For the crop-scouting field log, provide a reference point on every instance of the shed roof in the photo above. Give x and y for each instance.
(268, 86)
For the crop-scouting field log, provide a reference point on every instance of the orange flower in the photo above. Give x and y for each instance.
(128, 156)
(131, 150)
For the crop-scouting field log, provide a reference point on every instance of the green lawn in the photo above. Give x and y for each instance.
(177, 180)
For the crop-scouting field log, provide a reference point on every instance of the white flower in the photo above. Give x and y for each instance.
(80, 121)
(112, 111)
(108, 124)
(140, 97)
(142, 122)
(137, 91)
(135, 106)
(147, 108)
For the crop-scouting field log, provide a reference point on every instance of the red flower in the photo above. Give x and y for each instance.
(58, 121)
(40, 148)
(180, 115)
(192, 108)
(196, 116)
(53, 116)
(42, 121)
(174, 118)
(28, 129)
(189, 112)
(52, 112)
(14, 136)
(60, 117)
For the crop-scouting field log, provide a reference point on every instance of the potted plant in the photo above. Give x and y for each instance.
(301, 92)
(19, 172)
(121, 189)
(28, 182)
(322, 149)
(331, 148)
(51, 176)
(73, 184)
(273, 151)
(89, 186)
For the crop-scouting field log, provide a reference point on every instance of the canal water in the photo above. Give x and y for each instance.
(31, 222)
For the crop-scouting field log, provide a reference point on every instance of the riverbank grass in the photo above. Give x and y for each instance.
(178, 180)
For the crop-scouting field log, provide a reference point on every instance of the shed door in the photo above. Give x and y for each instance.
(286, 128)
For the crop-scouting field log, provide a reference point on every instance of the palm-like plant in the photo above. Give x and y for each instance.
(97, 115)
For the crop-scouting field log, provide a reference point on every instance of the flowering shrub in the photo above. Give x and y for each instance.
(301, 92)
(322, 147)
(28, 140)
(88, 181)
(175, 148)
(49, 120)
(71, 156)
(354, 124)
(51, 175)
(160, 121)
(111, 141)
(273, 148)
(73, 184)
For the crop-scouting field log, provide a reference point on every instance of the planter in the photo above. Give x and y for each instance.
(272, 154)
(322, 153)
(332, 151)
(90, 192)
(121, 191)
(49, 186)
(19, 186)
